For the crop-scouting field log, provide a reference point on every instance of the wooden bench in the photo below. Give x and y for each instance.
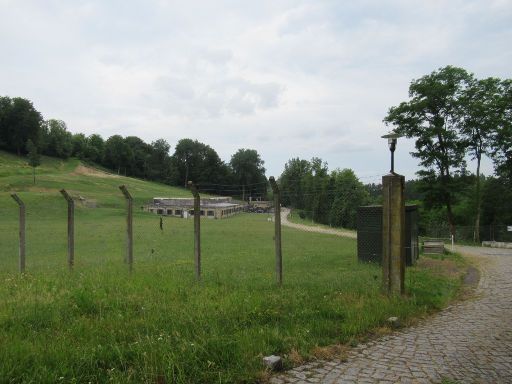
(433, 246)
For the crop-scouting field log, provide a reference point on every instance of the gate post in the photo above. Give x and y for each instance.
(21, 232)
(277, 221)
(129, 227)
(393, 231)
(71, 228)
(197, 228)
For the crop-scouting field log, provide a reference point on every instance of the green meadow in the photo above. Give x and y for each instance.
(99, 323)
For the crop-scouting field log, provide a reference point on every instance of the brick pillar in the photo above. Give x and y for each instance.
(393, 234)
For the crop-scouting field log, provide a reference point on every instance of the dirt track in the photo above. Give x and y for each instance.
(315, 228)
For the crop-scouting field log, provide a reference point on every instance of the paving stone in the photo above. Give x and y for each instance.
(470, 341)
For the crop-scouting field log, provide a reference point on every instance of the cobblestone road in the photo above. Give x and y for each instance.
(468, 342)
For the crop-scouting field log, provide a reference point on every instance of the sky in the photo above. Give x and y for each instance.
(287, 78)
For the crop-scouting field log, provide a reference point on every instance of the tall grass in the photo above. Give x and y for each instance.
(99, 323)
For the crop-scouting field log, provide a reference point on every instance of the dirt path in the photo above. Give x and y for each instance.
(468, 342)
(315, 228)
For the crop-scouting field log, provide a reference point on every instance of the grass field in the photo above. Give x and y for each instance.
(100, 323)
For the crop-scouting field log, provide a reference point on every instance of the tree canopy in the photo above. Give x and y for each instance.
(453, 115)
(249, 172)
(326, 197)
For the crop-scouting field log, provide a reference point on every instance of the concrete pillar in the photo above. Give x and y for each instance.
(393, 234)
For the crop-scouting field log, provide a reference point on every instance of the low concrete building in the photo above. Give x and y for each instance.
(211, 207)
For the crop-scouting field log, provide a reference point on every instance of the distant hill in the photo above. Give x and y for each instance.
(78, 178)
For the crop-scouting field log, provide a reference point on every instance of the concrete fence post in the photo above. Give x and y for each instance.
(393, 232)
(197, 229)
(129, 226)
(277, 222)
(71, 228)
(21, 232)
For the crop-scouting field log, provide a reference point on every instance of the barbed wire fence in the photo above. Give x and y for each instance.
(98, 233)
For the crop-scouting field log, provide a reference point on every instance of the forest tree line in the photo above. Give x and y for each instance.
(455, 119)
(23, 130)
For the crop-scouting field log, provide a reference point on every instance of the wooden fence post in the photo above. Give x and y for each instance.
(71, 228)
(277, 222)
(129, 227)
(197, 228)
(21, 231)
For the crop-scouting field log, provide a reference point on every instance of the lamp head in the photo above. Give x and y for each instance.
(392, 139)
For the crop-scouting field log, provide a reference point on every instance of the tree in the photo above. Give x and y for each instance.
(184, 159)
(117, 154)
(159, 161)
(349, 194)
(249, 172)
(316, 197)
(79, 142)
(502, 135)
(19, 122)
(479, 114)
(497, 201)
(432, 117)
(95, 148)
(60, 141)
(291, 182)
(139, 165)
(34, 159)
(198, 162)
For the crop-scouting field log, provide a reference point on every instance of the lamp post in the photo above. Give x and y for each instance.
(393, 226)
(392, 139)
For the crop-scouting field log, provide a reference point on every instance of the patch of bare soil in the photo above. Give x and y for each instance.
(83, 170)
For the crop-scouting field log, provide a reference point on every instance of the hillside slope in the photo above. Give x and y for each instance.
(76, 177)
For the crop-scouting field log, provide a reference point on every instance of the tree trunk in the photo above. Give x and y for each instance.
(478, 203)
(447, 197)
(34, 174)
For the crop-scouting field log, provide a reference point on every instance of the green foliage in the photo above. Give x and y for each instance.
(249, 172)
(291, 181)
(19, 122)
(198, 162)
(34, 159)
(452, 114)
(118, 154)
(59, 141)
(95, 148)
(502, 146)
(497, 201)
(349, 195)
(79, 146)
(431, 116)
(325, 198)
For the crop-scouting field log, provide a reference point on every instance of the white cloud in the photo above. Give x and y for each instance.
(288, 78)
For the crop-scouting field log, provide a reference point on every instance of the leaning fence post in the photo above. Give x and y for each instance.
(129, 226)
(21, 231)
(277, 221)
(197, 228)
(71, 228)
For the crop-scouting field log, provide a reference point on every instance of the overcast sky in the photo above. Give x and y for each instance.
(287, 78)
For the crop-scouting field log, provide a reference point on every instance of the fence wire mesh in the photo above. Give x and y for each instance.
(237, 248)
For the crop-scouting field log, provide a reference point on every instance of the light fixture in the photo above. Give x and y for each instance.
(392, 140)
